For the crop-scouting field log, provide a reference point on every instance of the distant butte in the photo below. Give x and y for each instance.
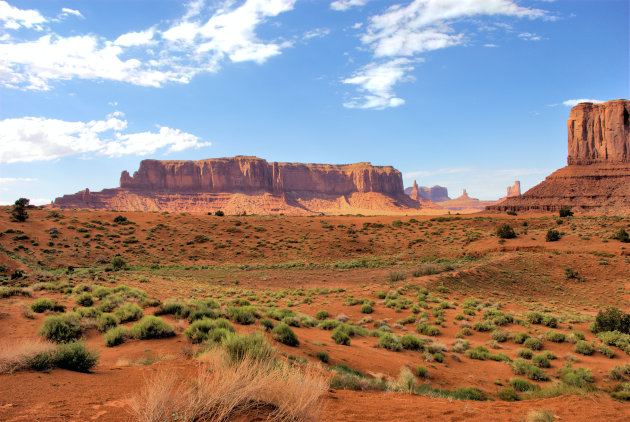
(597, 177)
(251, 185)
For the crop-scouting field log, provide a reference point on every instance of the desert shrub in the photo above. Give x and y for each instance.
(201, 313)
(533, 343)
(469, 393)
(499, 335)
(116, 336)
(243, 315)
(89, 312)
(62, 328)
(390, 342)
(322, 315)
(329, 324)
(550, 321)
(578, 377)
(128, 312)
(13, 291)
(505, 231)
(42, 304)
(323, 356)
(427, 329)
(521, 385)
(534, 317)
(177, 309)
(340, 336)
(540, 416)
(552, 236)
(541, 361)
(612, 319)
(366, 309)
(615, 338)
(583, 347)
(621, 235)
(619, 373)
(106, 321)
(483, 326)
(397, 276)
(18, 212)
(110, 302)
(85, 299)
(267, 324)
(75, 357)
(118, 263)
(519, 338)
(522, 367)
(101, 292)
(555, 336)
(565, 211)
(507, 394)
(422, 371)
(411, 342)
(211, 330)
(151, 327)
(606, 351)
(285, 335)
(253, 346)
(525, 353)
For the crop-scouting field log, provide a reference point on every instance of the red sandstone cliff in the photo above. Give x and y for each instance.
(597, 178)
(252, 185)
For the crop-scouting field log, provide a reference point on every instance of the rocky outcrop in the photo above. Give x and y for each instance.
(514, 190)
(597, 178)
(465, 203)
(251, 185)
(434, 194)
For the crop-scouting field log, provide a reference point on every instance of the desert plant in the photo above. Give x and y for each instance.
(151, 327)
(340, 336)
(552, 236)
(85, 299)
(62, 328)
(128, 312)
(323, 356)
(285, 335)
(533, 343)
(366, 308)
(565, 211)
(75, 356)
(583, 347)
(253, 346)
(18, 213)
(621, 235)
(521, 385)
(507, 394)
(422, 371)
(322, 315)
(106, 321)
(44, 304)
(118, 263)
(390, 342)
(505, 231)
(116, 336)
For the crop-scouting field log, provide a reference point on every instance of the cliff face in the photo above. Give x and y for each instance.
(251, 185)
(251, 174)
(599, 133)
(597, 178)
(434, 194)
(514, 190)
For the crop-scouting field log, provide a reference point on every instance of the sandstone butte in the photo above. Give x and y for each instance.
(251, 185)
(597, 177)
(434, 194)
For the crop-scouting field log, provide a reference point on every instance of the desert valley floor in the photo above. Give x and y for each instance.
(397, 318)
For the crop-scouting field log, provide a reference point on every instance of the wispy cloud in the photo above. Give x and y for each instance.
(16, 18)
(5, 180)
(419, 27)
(573, 103)
(343, 5)
(30, 139)
(316, 33)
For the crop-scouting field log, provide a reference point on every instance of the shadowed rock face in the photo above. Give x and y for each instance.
(597, 178)
(249, 184)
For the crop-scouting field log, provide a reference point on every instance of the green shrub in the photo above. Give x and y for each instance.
(552, 236)
(243, 315)
(550, 321)
(397, 276)
(101, 292)
(322, 315)
(381, 295)
(285, 335)
(62, 328)
(519, 384)
(533, 343)
(106, 321)
(179, 310)
(534, 317)
(253, 345)
(479, 353)
(525, 353)
(85, 299)
(606, 351)
(505, 231)
(267, 324)
(565, 211)
(621, 235)
(519, 338)
(116, 336)
(110, 302)
(555, 336)
(483, 326)
(128, 312)
(411, 342)
(499, 335)
(522, 367)
(612, 319)
(329, 324)
(75, 357)
(507, 394)
(201, 313)
(390, 342)
(427, 329)
(211, 330)
(422, 371)
(43, 304)
(541, 361)
(366, 309)
(583, 347)
(469, 393)
(578, 377)
(340, 336)
(118, 263)
(151, 327)
(323, 356)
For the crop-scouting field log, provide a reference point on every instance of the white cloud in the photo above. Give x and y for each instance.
(528, 36)
(490, 45)
(132, 39)
(573, 103)
(14, 18)
(343, 5)
(67, 12)
(376, 83)
(5, 180)
(316, 33)
(422, 26)
(198, 42)
(30, 139)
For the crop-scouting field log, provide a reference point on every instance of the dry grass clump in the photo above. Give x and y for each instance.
(16, 356)
(224, 388)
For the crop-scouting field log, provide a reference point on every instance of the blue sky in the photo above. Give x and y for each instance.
(462, 93)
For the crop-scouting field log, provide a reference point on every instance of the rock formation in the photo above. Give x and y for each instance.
(514, 190)
(597, 178)
(434, 194)
(252, 185)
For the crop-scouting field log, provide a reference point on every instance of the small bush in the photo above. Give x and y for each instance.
(116, 336)
(519, 338)
(522, 367)
(389, 342)
(422, 371)
(565, 211)
(267, 324)
(397, 276)
(118, 263)
(533, 343)
(243, 315)
(541, 361)
(323, 356)
(427, 329)
(505, 231)
(42, 304)
(85, 299)
(578, 377)
(340, 336)
(366, 309)
(622, 236)
(507, 394)
(63, 328)
(75, 357)
(469, 393)
(583, 347)
(253, 346)
(285, 335)
(106, 321)
(540, 416)
(555, 336)
(521, 385)
(322, 315)
(411, 342)
(552, 236)
(128, 312)
(151, 327)
(499, 335)
(525, 353)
